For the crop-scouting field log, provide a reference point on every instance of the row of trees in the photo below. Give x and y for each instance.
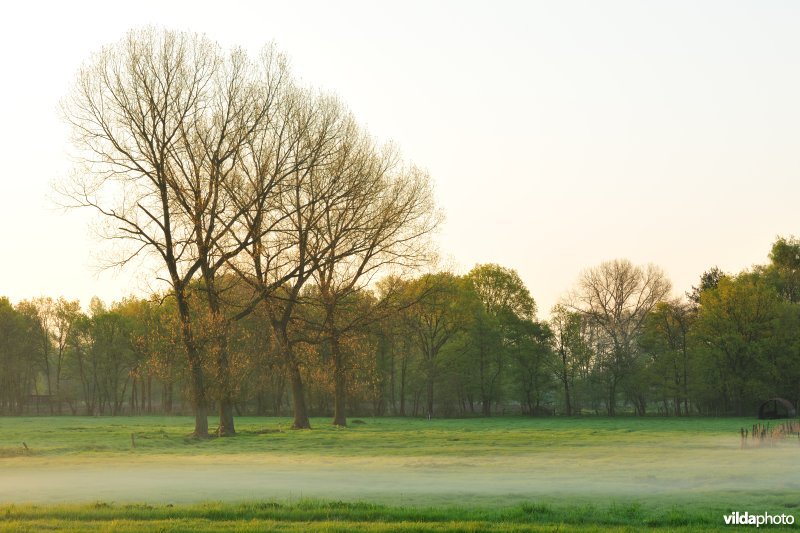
(731, 344)
(433, 345)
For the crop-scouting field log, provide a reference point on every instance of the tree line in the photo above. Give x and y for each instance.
(435, 345)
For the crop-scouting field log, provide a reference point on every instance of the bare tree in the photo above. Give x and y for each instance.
(161, 120)
(616, 297)
(382, 223)
(290, 179)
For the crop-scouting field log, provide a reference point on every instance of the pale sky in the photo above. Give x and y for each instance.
(559, 134)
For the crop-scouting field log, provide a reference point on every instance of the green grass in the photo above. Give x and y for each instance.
(309, 515)
(111, 436)
(390, 474)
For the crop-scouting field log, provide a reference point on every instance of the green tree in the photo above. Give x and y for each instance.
(530, 346)
(739, 332)
(573, 354)
(708, 280)
(496, 327)
(441, 311)
(17, 358)
(66, 315)
(784, 267)
(666, 341)
(40, 313)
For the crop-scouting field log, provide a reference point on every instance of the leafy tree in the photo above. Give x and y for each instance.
(531, 351)
(496, 327)
(784, 267)
(439, 313)
(40, 313)
(397, 347)
(573, 353)
(737, 328)
(708, 280)
(17, 362)
(666, 340)
(66, 315)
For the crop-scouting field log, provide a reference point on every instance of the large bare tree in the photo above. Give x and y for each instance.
(162, 121)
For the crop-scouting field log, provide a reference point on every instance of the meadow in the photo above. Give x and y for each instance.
(390, 474)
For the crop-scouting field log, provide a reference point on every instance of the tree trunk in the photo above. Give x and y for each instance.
(612, 399)
(196, 371)
(301, 420)
(393, 395)
(195, 368)
(278, 396)
(226, 426)
(220, 325)
(567, 398)
(685, 380)
(486, 407)
(226, 423)
(149, 394)
(49, 382)
(403, 368)
(430, 398)
(166, 399)
(340, 385)
(300, 408)
(199, 401)
(340, 398)
(133, 398)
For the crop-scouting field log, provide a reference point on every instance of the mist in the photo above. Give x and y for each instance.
(682, 471)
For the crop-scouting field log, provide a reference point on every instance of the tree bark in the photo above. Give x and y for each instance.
(430, 398)
(612, 399)
(567, 398)
(301, 420)
(226, 424)
(300, 408)
(340, 385)
(196, 371)
(340, 398)
(199, 401)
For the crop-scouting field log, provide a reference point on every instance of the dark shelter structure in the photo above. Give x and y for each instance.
(776, 408)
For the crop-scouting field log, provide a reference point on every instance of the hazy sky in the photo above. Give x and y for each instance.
(559, 134)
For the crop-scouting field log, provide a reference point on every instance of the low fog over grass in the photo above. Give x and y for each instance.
(656, 462)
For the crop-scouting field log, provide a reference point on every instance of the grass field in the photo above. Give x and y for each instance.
(500, 474)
